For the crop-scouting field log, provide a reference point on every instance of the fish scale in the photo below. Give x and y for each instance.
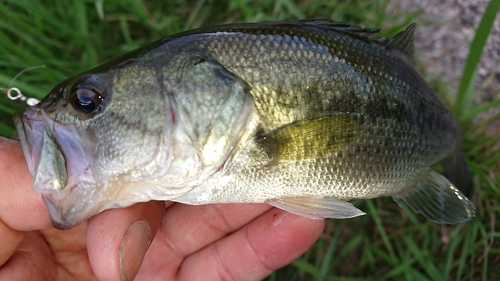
(303, 115)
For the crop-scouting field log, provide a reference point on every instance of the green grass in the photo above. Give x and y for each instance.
(389, 243)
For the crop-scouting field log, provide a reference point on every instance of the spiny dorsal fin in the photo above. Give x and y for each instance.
(371, 33)
(403, 41)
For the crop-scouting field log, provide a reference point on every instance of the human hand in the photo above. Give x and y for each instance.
(208, 242)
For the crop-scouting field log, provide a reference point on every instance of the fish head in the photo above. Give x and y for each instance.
(95, 141)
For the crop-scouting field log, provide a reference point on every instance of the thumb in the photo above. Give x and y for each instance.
(21, 208)
(117, 239)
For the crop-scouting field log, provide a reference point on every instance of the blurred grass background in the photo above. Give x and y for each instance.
(388, 243)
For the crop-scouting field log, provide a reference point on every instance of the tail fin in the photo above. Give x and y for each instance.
(456, 169)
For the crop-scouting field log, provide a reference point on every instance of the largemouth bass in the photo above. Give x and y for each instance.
(304, 115)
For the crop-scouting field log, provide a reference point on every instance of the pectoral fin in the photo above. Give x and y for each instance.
(438, 200)
(312, 138)
(317, 208)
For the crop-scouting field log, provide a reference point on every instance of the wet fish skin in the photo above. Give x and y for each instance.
(304, 115)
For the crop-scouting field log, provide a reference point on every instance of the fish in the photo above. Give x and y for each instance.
(304, 115)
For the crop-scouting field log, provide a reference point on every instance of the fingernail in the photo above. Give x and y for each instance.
(134, 245)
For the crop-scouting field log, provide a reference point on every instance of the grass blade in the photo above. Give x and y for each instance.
(464, 96)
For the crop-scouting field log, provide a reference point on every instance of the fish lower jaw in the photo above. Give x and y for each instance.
(60, 219)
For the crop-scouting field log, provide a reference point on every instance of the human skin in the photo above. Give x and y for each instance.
(207, 242)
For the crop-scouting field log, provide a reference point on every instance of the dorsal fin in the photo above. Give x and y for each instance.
(403, 41)
(371, 33)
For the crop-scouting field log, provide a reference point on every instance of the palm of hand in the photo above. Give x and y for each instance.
(50, 255)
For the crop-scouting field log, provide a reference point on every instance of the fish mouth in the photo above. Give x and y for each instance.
(60, 166)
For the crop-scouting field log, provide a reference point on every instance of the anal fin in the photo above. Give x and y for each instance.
(438, 200)
(317, 208)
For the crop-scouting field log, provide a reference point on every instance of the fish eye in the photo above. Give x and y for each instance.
(87, 100)
(86, 97)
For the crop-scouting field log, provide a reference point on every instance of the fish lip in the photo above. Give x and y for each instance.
(62, 216)
(45, 158)
(25, 121)
(54, 213)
